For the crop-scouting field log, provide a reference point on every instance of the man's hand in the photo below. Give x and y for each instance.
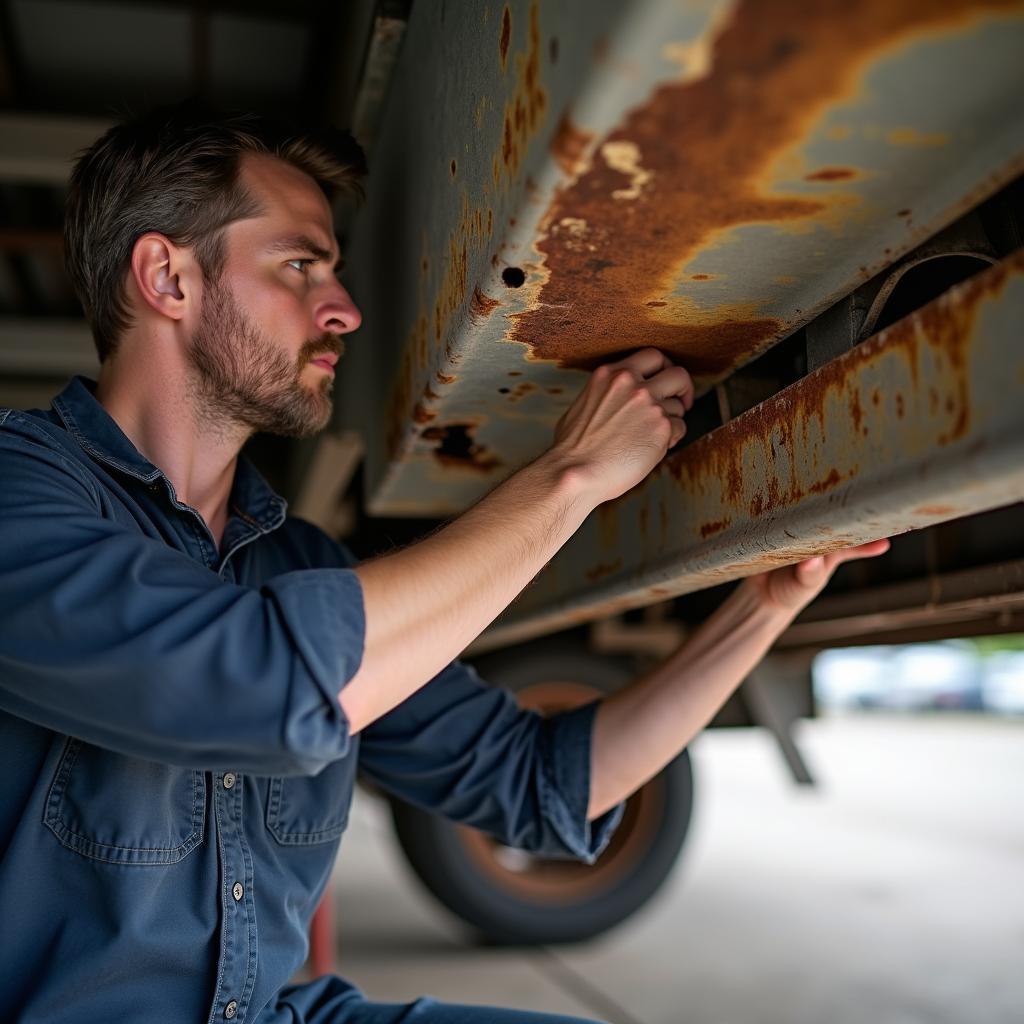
(624, 421)
(640, 728)
(791, 588)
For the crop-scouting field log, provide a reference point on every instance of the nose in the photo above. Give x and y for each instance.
(339, 314)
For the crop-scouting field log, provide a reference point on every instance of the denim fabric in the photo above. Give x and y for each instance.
(176, 768)
(330, 1000)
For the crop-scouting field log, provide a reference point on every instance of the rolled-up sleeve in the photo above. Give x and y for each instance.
(122, 641)
(467, 751)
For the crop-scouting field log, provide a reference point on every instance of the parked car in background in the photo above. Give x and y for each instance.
(948, 675)
(1003, 683)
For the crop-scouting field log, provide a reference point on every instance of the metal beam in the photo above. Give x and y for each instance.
(957, 598)
(555, 184)
(920, 424)
(41, 150)
(46, 347)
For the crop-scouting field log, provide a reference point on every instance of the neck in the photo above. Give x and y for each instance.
(156, 402)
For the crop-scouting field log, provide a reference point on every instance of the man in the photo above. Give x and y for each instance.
(187, 676)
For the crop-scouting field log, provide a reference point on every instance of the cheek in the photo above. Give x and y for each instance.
(278, 312)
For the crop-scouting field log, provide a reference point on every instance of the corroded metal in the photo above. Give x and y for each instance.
(555, 184)
(920, 424)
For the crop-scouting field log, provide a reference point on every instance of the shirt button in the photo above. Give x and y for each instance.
(237, 891)
(231, 1009)
(229, 780)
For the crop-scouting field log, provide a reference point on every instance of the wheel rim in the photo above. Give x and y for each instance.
(550, 882)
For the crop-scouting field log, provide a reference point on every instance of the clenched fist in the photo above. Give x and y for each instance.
(624, 421)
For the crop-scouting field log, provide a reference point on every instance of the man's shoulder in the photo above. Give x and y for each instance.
(25, 429)
(38, 456)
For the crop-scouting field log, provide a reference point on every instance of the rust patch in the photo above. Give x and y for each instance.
(935, 510)
(506, 37)
(421, 414)
(527, 107)
(706, 147)
(903, 213)
(520, 390)
(603, 569)
(912, 137)
(820, 486)
(716, 526)
(765, 458)
(831, 174)
(481, 306)
(856, 412)
(456, 447)
(569, 145)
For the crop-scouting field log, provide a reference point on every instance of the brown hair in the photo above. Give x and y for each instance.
(175, 170)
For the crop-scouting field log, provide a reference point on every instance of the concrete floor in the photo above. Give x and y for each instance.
(891, 894)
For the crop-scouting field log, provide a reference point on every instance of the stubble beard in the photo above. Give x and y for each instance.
(245, 384)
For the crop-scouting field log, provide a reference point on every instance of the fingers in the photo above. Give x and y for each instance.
(672, 382)
(644, 363)
(809, 569)
(872, 549)
(678, 430)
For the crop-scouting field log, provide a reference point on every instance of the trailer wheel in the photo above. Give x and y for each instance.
(513, 897)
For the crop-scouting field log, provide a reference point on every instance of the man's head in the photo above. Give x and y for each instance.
(216, 231)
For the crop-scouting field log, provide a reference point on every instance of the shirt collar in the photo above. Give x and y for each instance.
(98, 433)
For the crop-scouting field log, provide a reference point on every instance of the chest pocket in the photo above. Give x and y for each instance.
(125, 810)
(302, 810)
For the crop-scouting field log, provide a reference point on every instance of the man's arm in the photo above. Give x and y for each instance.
(638, 730)
(426, 604)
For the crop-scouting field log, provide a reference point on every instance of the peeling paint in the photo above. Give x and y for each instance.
(707, 145)
(526, 109)
(457, 449)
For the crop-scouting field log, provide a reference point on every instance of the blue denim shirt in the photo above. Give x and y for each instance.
(176, 768)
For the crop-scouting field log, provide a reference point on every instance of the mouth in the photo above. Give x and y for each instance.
(326, 362)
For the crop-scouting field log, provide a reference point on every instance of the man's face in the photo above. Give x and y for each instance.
(269, 330)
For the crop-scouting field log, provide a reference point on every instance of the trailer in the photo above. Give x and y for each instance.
(817, 208)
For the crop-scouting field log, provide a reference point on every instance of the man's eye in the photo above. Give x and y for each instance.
(304, 263)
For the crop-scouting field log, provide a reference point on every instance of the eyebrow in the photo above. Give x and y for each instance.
(303, 243)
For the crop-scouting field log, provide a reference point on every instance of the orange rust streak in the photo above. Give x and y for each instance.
(505, 37)
(527, 107)
(723, 458)
(706, 144)
(716, 526)
(831, 174)
(481, 306)
(603, 569)
(569, 144)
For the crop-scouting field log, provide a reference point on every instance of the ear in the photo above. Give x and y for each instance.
(162, 273)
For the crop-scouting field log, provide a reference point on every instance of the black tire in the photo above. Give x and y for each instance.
(514, 898)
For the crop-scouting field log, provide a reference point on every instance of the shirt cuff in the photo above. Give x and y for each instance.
(565, 784)
(325, 616)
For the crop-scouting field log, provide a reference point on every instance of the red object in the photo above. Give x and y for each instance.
(321, 936)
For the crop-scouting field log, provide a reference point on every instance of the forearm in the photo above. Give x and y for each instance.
(638, 730)
(425, 604)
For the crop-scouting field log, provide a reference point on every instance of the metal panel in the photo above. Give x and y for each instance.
(921, 423)
(557, 183)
